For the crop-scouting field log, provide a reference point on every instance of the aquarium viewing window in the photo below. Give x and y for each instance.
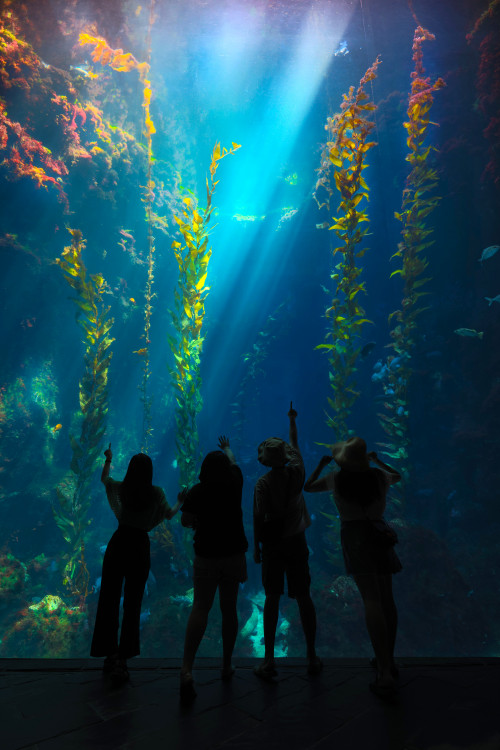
(211, 209)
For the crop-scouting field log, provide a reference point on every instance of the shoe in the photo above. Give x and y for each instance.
(387, 692)
(186, 688)
(109, 663)
(394, 669)
(265, 671)
(227, 674)
(315, 666)
(119, 674)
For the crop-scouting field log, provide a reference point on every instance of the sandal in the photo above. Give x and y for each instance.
(265, 671)
(394, 669)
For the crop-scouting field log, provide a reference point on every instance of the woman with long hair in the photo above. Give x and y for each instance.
(139, 506)
(213, 509)
(359, 492)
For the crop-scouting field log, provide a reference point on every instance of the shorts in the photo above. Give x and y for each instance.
(361, 555)
(289, 557)
(233, 568)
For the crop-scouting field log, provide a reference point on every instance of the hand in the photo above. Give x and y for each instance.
(223, 442)
(326, 460)
(108, 453)
(257, 555)
(182, 495)
(372, 456)
(291, 412)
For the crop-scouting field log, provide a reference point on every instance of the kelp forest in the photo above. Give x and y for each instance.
(158, 294)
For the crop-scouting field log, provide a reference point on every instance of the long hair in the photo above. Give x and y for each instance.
(137, 486)
(362, 487)
(215, 468)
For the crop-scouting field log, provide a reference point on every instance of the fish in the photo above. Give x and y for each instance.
(368, 348)
(469, 332)
(492, 299)
(57, 428)
(323, 225)
(132, 300)
(489, 252)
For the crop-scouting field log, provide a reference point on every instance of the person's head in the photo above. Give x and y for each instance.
(215, 467)
(138, 481)
(274, 452)
(351, 454)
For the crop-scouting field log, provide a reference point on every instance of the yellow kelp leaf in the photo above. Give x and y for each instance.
(201, 282)
(399, 270)
(235, 145)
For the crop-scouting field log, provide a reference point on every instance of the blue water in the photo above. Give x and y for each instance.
(265, 75)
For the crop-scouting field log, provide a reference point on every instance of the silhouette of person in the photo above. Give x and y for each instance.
(280, 520)
(359, 491)
(213, 509)
(139, 506)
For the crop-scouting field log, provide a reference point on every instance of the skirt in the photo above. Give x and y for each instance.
(361, 555)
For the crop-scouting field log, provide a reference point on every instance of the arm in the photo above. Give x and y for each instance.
(314, 484)
(107, 464)
(394, 475)
(293, 435)
(258, 522)
(224, 446)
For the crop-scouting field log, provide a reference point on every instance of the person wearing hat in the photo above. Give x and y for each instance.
(360, 491)
(280, 521)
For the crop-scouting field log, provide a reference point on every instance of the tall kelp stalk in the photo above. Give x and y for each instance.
(71, 514)
(124, 62)
(417, 204)
(347, 147)
(193, 255)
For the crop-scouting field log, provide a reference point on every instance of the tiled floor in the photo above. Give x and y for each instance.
(68, 705)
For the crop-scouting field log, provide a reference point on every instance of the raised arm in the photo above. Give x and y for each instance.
(293, 435)
(394, 475)
(224, 446)
(107, 464)
(317, 484)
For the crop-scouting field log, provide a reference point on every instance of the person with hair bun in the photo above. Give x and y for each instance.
(139, 506)
(359, 492)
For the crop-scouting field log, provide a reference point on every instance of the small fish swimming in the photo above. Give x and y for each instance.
(493, 299)
(57, 428)
(489, 252)
(368, 348)
(469, 332)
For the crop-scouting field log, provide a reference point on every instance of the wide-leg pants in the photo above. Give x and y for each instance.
(127, 559)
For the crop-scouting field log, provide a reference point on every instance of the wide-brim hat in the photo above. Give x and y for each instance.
(351, 454)
(274, 452)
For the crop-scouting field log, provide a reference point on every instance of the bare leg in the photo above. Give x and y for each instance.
(271, 612)
(204, 594)
(228, 596)
(308, 620)
(376, 624)
(390, 611)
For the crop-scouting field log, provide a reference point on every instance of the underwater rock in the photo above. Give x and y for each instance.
(13, 576)
(47, 629)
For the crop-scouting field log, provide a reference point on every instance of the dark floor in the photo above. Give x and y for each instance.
(67, 704)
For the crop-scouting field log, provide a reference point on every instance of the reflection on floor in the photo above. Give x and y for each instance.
(443, 704)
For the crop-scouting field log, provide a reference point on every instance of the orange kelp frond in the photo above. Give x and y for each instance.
(116, 58)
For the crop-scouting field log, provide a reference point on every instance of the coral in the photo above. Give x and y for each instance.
(48, 628)
(418, 203)
(74, 493)
(349, 133)
(13, 576)
(192, 255)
